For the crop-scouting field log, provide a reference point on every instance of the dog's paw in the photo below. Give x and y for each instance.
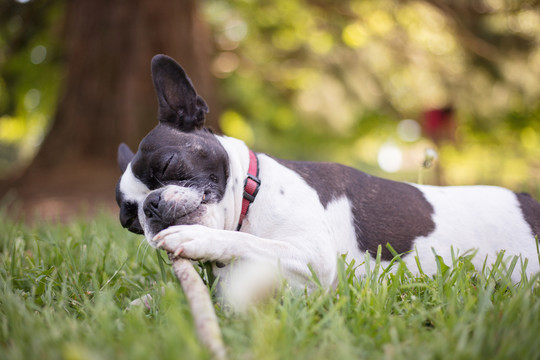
(195, 242)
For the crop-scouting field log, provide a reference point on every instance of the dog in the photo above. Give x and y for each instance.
(257, 219)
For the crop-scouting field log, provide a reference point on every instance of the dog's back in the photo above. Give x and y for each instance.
(421, 219)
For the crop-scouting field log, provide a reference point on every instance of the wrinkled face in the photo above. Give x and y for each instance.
(175, 178)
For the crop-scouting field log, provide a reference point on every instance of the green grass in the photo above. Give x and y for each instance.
(64, 290)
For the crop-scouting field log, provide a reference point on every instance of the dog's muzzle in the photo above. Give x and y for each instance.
(169, 205)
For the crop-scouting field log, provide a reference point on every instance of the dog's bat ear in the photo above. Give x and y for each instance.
(124, 156)
(179, 104)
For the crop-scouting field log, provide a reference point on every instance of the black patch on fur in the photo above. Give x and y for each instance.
(384, 211)
(531, 212)
(167, 156)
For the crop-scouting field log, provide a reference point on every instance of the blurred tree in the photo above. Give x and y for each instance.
(107, 95)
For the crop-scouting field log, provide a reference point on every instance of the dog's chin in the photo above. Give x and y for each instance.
(154, 226)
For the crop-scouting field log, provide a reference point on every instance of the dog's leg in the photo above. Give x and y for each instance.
(198, 242)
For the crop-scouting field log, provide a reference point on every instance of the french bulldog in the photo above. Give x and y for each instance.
(257, 219)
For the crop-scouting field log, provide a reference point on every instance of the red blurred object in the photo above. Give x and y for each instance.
(440, 125)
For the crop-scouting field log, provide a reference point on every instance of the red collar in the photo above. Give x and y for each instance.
(251, 186)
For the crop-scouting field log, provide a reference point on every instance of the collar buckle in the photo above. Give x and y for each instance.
(250, 190)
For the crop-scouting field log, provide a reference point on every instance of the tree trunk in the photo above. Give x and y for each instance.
(108, 95)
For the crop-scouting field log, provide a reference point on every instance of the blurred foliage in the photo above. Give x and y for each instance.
(30, 75)
(333, 80)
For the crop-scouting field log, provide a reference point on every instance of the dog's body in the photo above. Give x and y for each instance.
(184, 189)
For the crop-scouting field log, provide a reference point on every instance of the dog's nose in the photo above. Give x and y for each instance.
(151, 205)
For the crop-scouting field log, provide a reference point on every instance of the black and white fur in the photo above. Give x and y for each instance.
(183, 189)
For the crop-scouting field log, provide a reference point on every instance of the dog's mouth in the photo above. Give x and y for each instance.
(173, 206)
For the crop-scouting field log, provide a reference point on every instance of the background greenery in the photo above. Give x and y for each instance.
(65, 290)
(331, 80)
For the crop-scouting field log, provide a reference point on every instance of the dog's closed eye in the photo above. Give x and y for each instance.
(166, 165)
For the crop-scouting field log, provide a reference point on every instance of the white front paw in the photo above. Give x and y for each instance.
(194, 242)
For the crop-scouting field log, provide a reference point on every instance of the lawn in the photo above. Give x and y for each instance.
(65, 290)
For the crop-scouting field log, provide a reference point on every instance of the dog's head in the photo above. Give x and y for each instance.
(179, 174)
